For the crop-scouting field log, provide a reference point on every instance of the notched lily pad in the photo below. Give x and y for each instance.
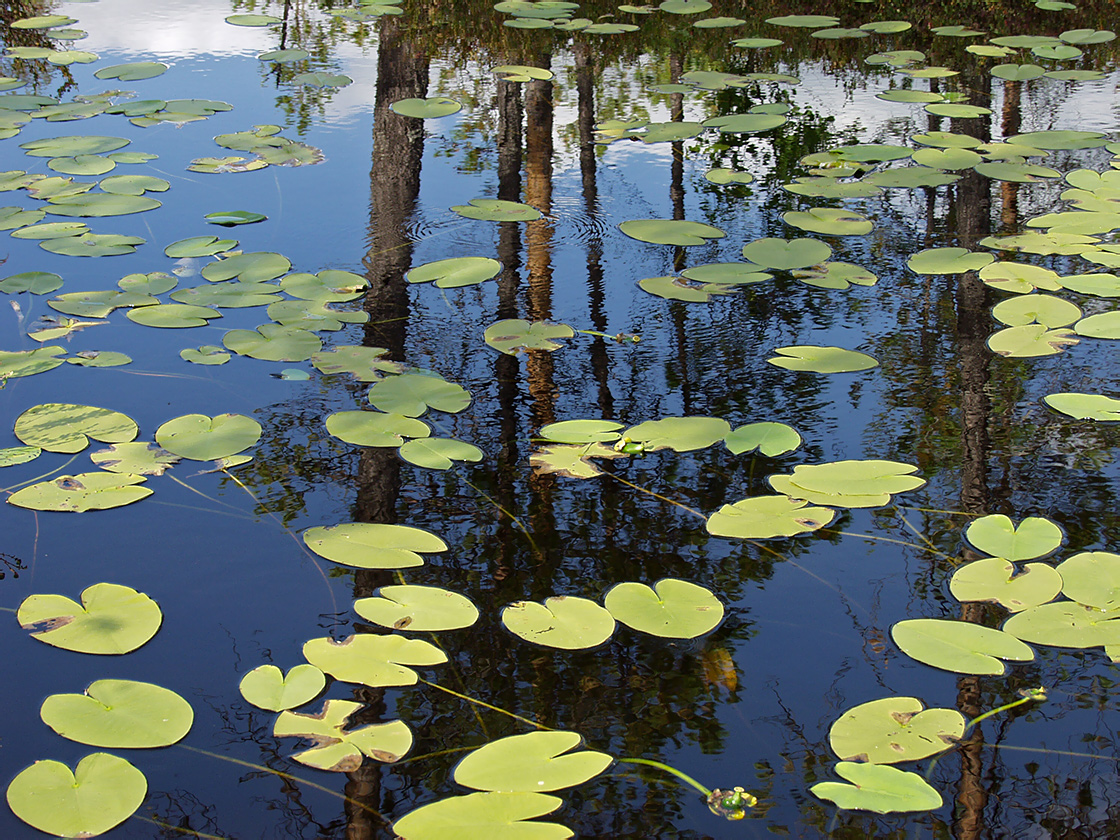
(766, 517)
(995, 580)
(894, 729)
(533, 762)
(365, 545)
(136, 458)
(878, 788)
(418, 608)
(959, 646)
(111, 619)
(515, 335)
(121, 714)
(266, 687)
(564, 622)
(670, 231)
(81, 493)
(202, 438)
(497, 210)
(818, 359)
(674, 609)
(65, 427)
(376, 661)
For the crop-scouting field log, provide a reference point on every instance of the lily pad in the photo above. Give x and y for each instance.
(995, 580)
(330, 285)
(804, 21)
(765, 517)
(1055, 140)
(894, 729)
(202, 438)
(418, 608)
(1085, 406)
(959, 646)
(859, 484)
(35, 282)
(1047, 310)
(102, 792)
(99, 358)
(121, 714)
(1087, 36)
(256, 267)
(818, 359)
(426, 109)
(366, 545)
(498, 816)
(769, 438)
(786, 254)
(573, 461)
(1030, 341)
(231, 218)
(229, 294)
(320, 79)
(835, 275)
(521, 73)
(455, 272)
(1021, 278)
(412, 394)
(338, 749)
(136, 458)
(514, 335)
(824, 187)
(670, 231)
(563, 622)
(948, 261)
(947, 158)
(1017, 72)
(910, 177)
(829, 221)
(878, 788)
(274, 343)
(133, 72)
(677, 288)
(375, 428)
(439, 453)
(715, 275)
(288, 56)
(1066, 624)
(172, 315)
(753, 123)
(582, 431)
(80, 493)
(64, 427)
(533, 762)
(365, 364)
(17, 363)
(376, 661)
(681, 434)
(253, 20)
(497, 210)
(12, 456)
(266, 687)
(674, 609)
(1092, 578)
(111, 619)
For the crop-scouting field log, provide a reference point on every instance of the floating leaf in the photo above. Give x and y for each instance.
(102, 792)
(1017, 72)
(561, 622)
(786, 254)
(17, 363)
(1030, 341)
(288, 56)
(202, 438)
(1092, 578)
(746, 123)
(878, 788)
(456, 272)
(894, 729)
(582, 431)
(573, 461)
(959, 646)
(816, 359)
(947, 261)
(1085, 406)
(1020, 173)
(728, 176)
(765, 517)
(676, 288)
(426, 109)
(35, 282)
(910, 177)
(1087, 36)
(136, 458)
(64, 427)
(1060, 139)
(823, 187)
(533, 762)
(14, 455)
(804, 21)
(1047, 310)
(1020, 278)
(674, 609)
(947, 158)
(835, 275)
(439, 453)
(230, 218)
(339, 749)
(866, 483)
(757, 43)
(365, 364)
(42, 22)
(521, 73)
(376, 661)
(253, 20)
(412, 394)
(770, 439)
(256, 267)
(373, 428)
(328, 286)
(513, 335)
(1066, 624)
(173, 315)
(681, 434)
(229, 294)
(80, 493)
(365, 545)
(497, 816)
(119, 713)
(497, 210)
(995, 580)
(715, 275)
(111, 619)
(273, 343)
(82, 165)
(266, 687)
(829, 221)
(670, 231)
(320, 79)
(418, 608)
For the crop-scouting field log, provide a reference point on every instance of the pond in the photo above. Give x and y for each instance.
(601, 408)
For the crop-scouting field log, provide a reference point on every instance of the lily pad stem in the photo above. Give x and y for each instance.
(673, 770)
(485, 705)
(1030, 695)
(693, 511)
(14, 487)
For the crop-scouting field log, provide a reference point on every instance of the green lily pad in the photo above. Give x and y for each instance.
(51, 230)
(17, 363)
(312, 315)
(133, 72)
(418, 608)
(80, 493)
(947, 158)
(439, 453)
(835, 275)
(857, 484)
(497, 210)
(374, 428)
(1060, 52)
(1047, 310)
(12, 217)
(64, 427)
(995, 580)
(804, 21)
(202, 438)
(136, 458)
(533, 762)
(908, 95)
(563, 622)
(818, 359)
(208, 354)
(582, 431)
(1020, 173)
(513, 335)
(365, 545)
(320, 79)
(714, 275)
(1041, 243)
(947, 261)
(786, 254)
(573, 461)
(35, 282)
(266, 687)
(119, 713)
(42, 22)
(99, 358)
(1017, 72)
(253, 20)
(426, 109)
(1020, 278)
(1055, 140)
(1074, 75)
(230, 218)
(1066, 624)
(230, 163)
(521, 73)
(1085, 406)
(838, 33)
(100, 204)
(765, 517)
(111, 619)
(455, 272)
(670, 231)
(681, 434)
(989, 50)
(365, 364)
(829, 221)
(894, 729)
(1102, 325)
(256, 267)
(677, 288)
(339, 749)
(1087, 36)
(376, 661)
(412, 394)
(757, 43)
(273, 343)
(173, 315)
(727, 176)
(288, 56)
(824, 187)
(769, 438)
(12, 456)
(199, 246)
(878, 788)
(665, 132)
(746, 123)
(497, 816)
(910, 177)
(684, 7)
(102, 792)
(231, 294)
(959, 646)
(673, 609)
(1030, 341)
(1092, 578)
(82, 165)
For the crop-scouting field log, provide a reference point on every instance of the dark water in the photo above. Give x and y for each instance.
(806, 634)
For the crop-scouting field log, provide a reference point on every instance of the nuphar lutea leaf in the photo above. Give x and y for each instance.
(533, 762)
(111, 619)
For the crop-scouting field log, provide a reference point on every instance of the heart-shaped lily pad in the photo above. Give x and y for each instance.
(878, 788)
(376, 661)
(65, 427)
(947, 261)
(266, 687)
(1092, 578)
(1031, 340)
(1066, 624)
(995, 580)
(439, 453)
(375, 428)
(674, 609)
(102, 792)
(562, 622)
(769, 438)
(120, 714)
(203, 438)
(959, 646)
(670, 231)
(829, 221)
(765, 517)
(455, 272)
(816, 359)
(111, 619)
(497, 210)
(786, 254)
(418, 608)
(81, 493)
(849, 483)
(573, 461)
(681, 434)
(533, 762)
(894, 729)
(273, 343)
(499, 816)
(426, 109)
(514, 335)
(365, 364)
(1085, 406)
(368, 545)
(14, 364)
(135, 458)
(997, 535)
(412, 394)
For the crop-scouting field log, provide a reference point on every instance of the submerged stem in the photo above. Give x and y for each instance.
(638, 487)
(672, 770)
(180, 829)
(484, 704)
(13, 488)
